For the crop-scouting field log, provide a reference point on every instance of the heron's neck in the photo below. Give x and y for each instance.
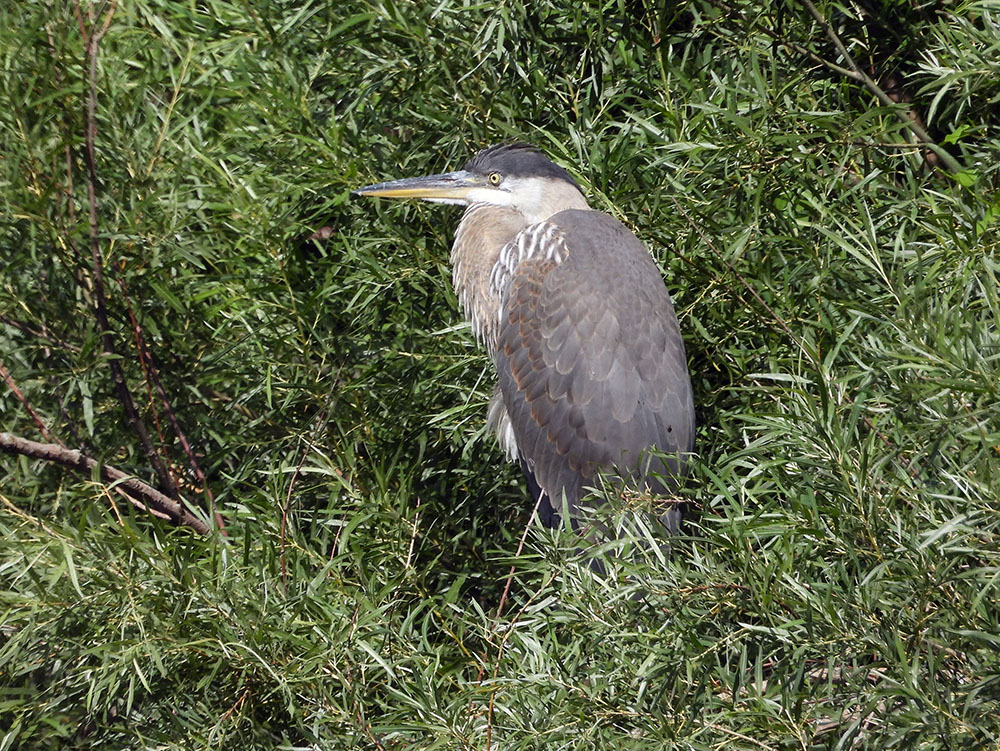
(481, 234)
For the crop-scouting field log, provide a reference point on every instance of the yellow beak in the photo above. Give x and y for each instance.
(450, 187)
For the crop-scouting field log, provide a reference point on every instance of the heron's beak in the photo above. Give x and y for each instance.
(451, 187)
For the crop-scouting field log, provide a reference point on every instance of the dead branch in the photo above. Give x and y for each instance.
(858, 74)
(139, 493)
(153, 376)
(92, 39)
(12, 385)
(42, 335)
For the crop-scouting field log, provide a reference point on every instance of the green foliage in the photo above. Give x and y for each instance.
(837, 586)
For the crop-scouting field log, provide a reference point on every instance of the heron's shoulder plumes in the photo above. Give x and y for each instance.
(517, 160)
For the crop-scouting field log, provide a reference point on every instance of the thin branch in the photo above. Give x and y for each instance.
(12, 385)
(413, 535)
(503, 639)
(153, 377)
(826, 63)
(742, 737)
(69, 236)
(520, 547)
(91, 44)
(140, 494)
(178, 431)
(810, 355)
(915, 127)
(491, 707)
(43, 335)
(145, 363)
(285, 510)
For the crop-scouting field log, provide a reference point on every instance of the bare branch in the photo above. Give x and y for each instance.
(914, 126)
(91, 42)
(142, 495)
(153, 376)
(12, 385)
(42, 335)
(318, 425)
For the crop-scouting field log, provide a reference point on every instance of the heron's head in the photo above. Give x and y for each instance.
(516, 176)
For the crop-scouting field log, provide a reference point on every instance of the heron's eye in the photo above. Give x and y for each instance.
(495, 178)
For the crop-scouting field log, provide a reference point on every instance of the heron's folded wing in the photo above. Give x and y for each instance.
(590, 359)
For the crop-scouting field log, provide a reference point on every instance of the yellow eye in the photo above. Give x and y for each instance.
(495, 178)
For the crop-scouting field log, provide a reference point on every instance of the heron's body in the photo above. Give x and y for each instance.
(591, 370)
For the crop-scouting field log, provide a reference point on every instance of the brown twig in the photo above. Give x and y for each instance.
(144, 364)
(858, 74)
(367, 728)
(520, 547)
(44, 335)
(234, 708)
(503, 640)
(285, 510)
(92, 39)
(153, 377)
(139, 493)
(189, 452)
(12, 385)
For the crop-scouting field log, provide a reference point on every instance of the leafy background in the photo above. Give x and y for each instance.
(837, 585)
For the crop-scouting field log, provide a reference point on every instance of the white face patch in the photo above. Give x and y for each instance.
(536, 198)
(490, 196)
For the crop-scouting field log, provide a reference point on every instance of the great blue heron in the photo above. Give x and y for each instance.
(590, 363)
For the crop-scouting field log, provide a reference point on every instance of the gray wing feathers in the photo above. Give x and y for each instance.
(590, 359)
